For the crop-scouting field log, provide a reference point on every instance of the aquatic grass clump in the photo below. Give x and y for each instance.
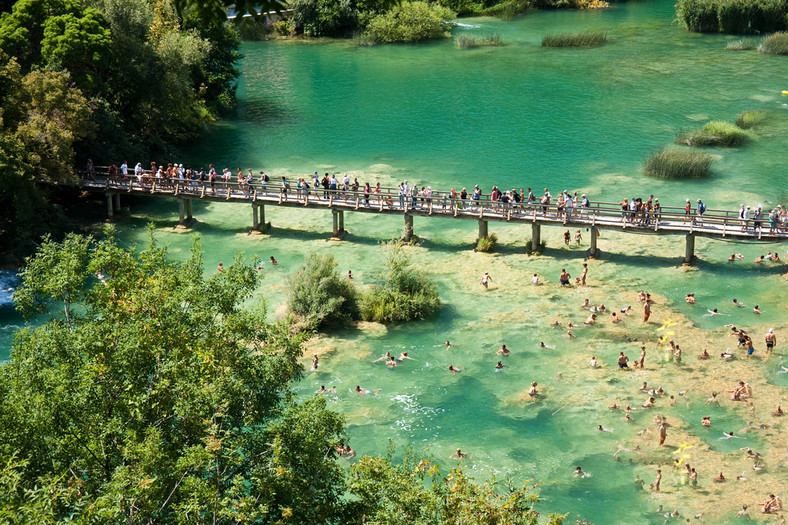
(750, 118)
(406, 293)
(508, 9)
(740, 44)
(775, 44)
(583, 39)
(487, 244)
(740, 17)
(466, 41)
(673, 163)
(715, 133)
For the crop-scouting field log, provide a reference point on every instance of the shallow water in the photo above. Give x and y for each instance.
(519, 115)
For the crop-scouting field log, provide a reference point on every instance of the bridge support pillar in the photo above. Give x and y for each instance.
(407, 235)
(185, 218)
(110, 206)
(258, 218)
(117, 201)
(483, 232)
(339, 223)
(189, 210)
(181, 214)
(593, 251)
(689, 250)
(536, 236)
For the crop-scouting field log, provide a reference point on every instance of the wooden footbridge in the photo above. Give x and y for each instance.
(719, 224)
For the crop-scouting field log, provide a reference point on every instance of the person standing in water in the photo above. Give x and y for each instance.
(486, 279)
(771, 341)
(583, 274)
(646, 311)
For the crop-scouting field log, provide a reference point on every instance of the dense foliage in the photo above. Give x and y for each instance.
(101, 79)
(151, 395)
(733, 16)
(405, 294)
(319, 296)
(775, 44)
(410, 22)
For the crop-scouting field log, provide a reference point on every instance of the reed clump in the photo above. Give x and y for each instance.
(739, 17)
(487, 244)
(508, 9)
(775, 44)
(740, 44)
(582, 39)
(715, 133)
(468, 41)
(749, 119)
(674, 163)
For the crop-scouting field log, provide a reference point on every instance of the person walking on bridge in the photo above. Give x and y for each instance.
(701, 209)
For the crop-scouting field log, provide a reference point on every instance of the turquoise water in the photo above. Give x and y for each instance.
(519, 115)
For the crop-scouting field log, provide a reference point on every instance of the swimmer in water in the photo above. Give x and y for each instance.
(756, 309)
(579, 473)
(323, 390)
(220, 267)
(738, 304)
(712, 313)
(503, 351)
(603, 429)
(447, 344)
(591, 319)
(626, 310)
(403, 356)
(391, 363)
(314, 362)
(349, 275)
(384, 357)
(729, 435)
(627, 418)
(616, 318)
(535, 279)
(274, 261)
(706, 421)
(459, 454)
(454, 370)
(364, 392)
(542, 345)
(593, 363)
(500, 366)
(712, 399)
(778, 412)
(690, 298)
(532, 391)
(704, 354)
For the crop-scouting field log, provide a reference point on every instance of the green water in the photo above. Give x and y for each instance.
(517, 116)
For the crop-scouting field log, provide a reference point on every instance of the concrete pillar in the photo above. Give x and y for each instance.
(110, 209)
(255, 217)
(341, 221)
(189, 210)
(593, 251)
(335, 214)
(536, 236)
(689, 251)
(482, 229)
(117, 201)
(407, 235)
(261, 208)
(181, 209)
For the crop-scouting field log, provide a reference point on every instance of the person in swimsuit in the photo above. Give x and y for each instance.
(646, 311)
(403, 356)
(500, 366)
(485, 279)
(583, 274)
(756, 309)
(771, 340)
(274, 261)
(622, 360)
(314, 362)
(578, 237)
(459, 454)
(454, 370)
(690, 298)
(564, 277)
(532, 391)
(503, 351)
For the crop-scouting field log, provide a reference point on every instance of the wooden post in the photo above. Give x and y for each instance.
(593, 251)
(689, 251)
(407, 235)
(482, 229)
(536, 236)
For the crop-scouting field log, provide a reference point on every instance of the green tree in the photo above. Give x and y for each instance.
(323, 17)
(410, 22)
(319, 296)
(151, 394)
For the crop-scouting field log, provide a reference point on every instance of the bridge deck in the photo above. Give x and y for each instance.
(720, 224)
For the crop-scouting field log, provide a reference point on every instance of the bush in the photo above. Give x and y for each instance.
(733, 16)
(323, 17)
(584, 39)
(776, 44)
(487, 244)
(750, 118)
(319, 295)
(529, 247)
(715, 133)
(678, 164)
(467, 7)
(508, 9)
(740, 44)
(406, 294)
(410, 22)
(466, 41)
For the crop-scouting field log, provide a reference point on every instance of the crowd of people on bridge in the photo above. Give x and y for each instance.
(635, 211)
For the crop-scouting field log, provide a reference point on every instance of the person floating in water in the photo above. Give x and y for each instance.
(447, 344)
(454, 370)
(503, 351)
(364, 392)
(500, 366)
(459, 454)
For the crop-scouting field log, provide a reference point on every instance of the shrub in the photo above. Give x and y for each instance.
(750, 118)
(584, 39)
(508, 9)
(466, 41)
(733, 16)
(715, 133)
(529, 247)
(740, 44)
(487, 244)
(319, 295)
(410, 22)
(466, 7)
(405, 294)
(323, 17)
(699, 16)
(776, 44)
(675, 163)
